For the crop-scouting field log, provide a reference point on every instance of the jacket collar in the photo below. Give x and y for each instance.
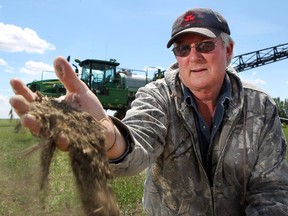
(224, 97)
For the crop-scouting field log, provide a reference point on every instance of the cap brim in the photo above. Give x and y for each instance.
(202, 31)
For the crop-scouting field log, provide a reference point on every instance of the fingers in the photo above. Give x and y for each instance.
(20, 88)
(24, 96)
(62, 142)
(21, 107)
(31, 123)
(68, 77)
(34, 126)
(20, 104)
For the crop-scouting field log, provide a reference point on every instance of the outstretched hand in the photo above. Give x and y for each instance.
(78, 96)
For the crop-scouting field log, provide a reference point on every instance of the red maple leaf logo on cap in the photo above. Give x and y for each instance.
(189, 17)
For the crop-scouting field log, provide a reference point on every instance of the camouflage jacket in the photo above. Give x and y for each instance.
(250, 174)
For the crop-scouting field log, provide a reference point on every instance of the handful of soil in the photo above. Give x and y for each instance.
(86, 150)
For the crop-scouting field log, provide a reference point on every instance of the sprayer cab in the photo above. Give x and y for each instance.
(115, 87)
(98, 73)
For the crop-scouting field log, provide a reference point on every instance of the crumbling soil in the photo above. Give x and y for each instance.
(86, 150)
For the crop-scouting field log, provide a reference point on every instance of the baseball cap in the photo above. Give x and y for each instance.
(203, 21)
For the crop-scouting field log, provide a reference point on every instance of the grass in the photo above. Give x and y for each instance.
(19, 181)
(19, 194)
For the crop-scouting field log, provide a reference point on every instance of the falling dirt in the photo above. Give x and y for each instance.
(86, 150)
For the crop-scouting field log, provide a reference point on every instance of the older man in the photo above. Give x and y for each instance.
(210, 144)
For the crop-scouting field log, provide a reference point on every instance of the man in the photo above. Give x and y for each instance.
(210, 144)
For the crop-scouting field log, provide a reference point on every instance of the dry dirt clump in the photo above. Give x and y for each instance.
(86, 150)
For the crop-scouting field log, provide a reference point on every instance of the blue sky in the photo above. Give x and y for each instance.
(134, 32)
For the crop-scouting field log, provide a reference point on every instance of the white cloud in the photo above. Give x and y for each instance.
(254, 81)
(16, 39)
(9, 70)
(33, 68)
(259, 81)
(253, 78)
(4, 100)
(2, 62)
(254, 73)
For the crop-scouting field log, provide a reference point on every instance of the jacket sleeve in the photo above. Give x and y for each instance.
(268, 185)
(146, 125)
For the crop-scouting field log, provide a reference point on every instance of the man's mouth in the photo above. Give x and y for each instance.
(198, 70)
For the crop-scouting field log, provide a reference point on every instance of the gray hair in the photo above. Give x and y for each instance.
(226, 41)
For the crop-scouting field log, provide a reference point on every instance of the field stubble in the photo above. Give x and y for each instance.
(19, 181)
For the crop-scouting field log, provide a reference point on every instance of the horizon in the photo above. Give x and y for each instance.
(33, 34)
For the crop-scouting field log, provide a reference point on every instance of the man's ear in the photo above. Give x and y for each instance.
(229, 50)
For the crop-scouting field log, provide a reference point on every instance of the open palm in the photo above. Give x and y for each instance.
(78, 96)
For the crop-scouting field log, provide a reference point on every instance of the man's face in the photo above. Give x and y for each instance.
(202, 71)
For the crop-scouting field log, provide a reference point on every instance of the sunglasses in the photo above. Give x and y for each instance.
(183, 50)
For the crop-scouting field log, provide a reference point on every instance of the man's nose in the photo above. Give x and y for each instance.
(194, 55)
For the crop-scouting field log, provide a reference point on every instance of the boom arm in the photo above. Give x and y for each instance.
(260, 57)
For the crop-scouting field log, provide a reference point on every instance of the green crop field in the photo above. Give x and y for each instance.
(19, 194)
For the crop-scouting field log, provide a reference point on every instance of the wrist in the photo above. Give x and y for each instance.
(107, 149)
(115, 144)
(110, 133)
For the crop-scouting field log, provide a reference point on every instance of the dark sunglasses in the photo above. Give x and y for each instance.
(183, 50)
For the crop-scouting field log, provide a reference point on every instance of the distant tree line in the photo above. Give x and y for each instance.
(282, 107)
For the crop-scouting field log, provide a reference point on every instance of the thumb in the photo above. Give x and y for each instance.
(80, 96)
(68, 77)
